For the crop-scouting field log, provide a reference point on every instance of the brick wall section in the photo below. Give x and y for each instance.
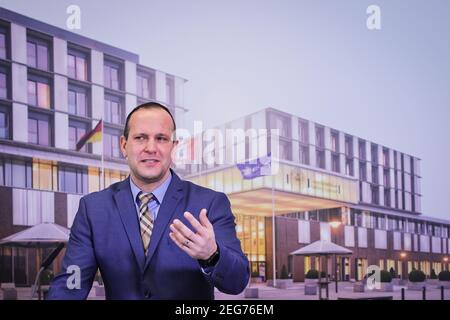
(61, 209)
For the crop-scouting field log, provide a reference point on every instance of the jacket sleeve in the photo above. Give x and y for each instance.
(231, 273)
(79, 264)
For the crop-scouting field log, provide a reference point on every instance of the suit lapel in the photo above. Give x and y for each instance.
(166, 212)
(125, 204)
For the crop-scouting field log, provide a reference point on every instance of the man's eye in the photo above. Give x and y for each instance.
(139, 138)
(163, 139)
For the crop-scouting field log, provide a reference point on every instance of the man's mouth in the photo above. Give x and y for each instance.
(150, 161)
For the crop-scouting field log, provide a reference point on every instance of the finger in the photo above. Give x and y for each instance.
(204, 219)
(185, 231)
(194, 222)
(182, 246)
(182, 240)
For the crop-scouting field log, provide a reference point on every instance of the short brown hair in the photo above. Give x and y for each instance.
(147, 105)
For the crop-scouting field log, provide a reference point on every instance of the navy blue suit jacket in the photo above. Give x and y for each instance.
(105, 235)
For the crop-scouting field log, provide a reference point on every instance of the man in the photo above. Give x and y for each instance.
(153, 235)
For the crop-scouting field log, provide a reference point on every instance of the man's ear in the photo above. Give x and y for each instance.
(123, 144)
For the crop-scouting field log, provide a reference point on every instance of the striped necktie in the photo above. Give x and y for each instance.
(145, 219)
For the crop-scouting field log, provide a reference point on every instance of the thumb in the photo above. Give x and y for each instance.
(204, 219)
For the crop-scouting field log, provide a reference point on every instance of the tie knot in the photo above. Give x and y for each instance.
(145, 198)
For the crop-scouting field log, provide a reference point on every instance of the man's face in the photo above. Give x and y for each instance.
(149, 146)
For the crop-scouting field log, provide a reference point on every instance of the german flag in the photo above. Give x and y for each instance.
(92, 136)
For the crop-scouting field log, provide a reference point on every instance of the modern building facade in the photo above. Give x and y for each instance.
(55, 86)
(330, 185)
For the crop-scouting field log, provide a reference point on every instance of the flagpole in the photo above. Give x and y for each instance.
(273, 231)
(102, 184)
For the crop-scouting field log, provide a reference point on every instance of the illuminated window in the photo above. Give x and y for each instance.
(335, 141)
(43, 175)
(39, 92)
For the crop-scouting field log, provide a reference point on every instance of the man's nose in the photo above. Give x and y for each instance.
(150, 146)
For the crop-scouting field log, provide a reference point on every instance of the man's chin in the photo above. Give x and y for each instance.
(151, 177)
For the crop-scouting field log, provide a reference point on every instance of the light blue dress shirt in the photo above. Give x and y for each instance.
(158, 196)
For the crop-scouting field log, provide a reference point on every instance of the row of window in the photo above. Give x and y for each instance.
(283, 124)
(374, 220)
(45, 175)
(41, 131)
(40, 57)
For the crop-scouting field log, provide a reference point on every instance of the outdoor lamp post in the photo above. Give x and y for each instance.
(335, 225)
(403, 258)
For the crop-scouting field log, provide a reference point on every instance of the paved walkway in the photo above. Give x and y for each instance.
(345, 290)
(296, 292)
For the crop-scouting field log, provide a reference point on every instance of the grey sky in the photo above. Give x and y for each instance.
(315, 59)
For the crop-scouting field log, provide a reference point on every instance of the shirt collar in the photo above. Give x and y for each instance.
(158, 193)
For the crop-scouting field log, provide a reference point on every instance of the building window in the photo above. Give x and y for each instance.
(335, 141)
(3, 83)
(362, 149)
(280, 122)
(335, 163)
(73, 179)
(4, 122)
(348, 146)
(77, 130)
(114, 112)
(111, 143)
(38, 53)
(146, 85)
(78, 101)
(374, 153)
(375, 195)
(39, 129)
(375, 175)
(285, 150)
(387, 197)
(15, 173)
(362, 171)
(320, 159)
(320, 137)
(385, 157)
(3, 47)
(38, 92)
(170, 90)
(386, 180)
(304, 155)
(349, 167)
(303, 131)
(112, 75)
(77, 64)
